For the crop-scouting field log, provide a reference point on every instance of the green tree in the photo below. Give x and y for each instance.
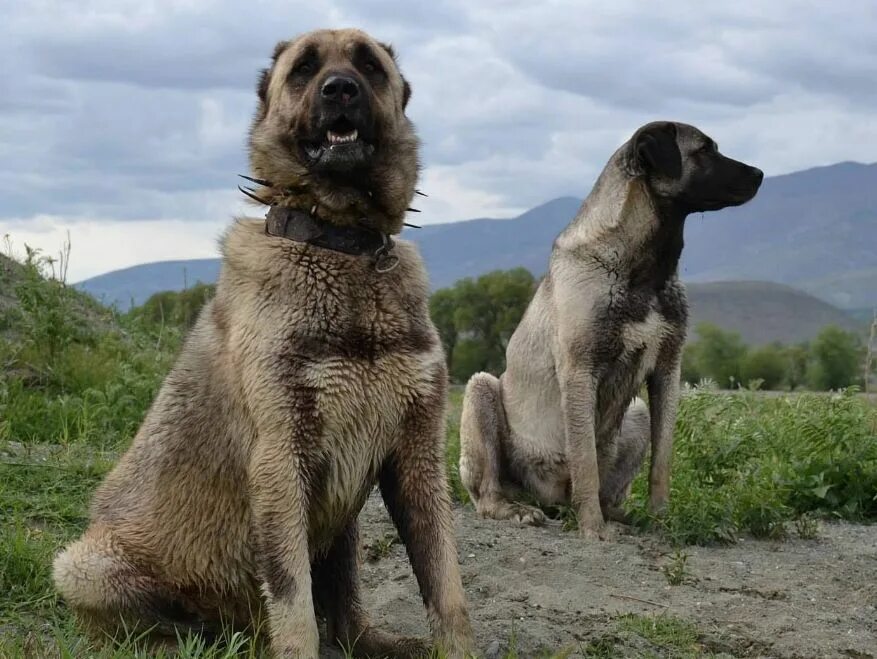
(175, 308)
(836, 359)
(768, 363)
(720, 354)
(476, 319)
(690, 370)
(442, 307)
(797, 360)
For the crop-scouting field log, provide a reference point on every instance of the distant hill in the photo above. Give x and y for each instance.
(815, 230)
(133, 286)
(764, 311)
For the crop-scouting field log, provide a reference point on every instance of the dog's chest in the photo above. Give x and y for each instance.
(631, 347)
(361, 408)
(641, 343)
(363, 367)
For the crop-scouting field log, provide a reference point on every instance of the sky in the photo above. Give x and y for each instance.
(124, 122)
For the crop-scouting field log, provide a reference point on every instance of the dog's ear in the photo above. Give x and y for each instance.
(265, 74)
(406, 92)
(262, 85)
(654, 150)
(406, 86)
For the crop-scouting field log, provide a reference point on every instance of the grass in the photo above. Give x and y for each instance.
(76, 380)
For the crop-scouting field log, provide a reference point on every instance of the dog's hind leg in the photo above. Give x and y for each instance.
(115, 598)
(631, 444)
(483, 431)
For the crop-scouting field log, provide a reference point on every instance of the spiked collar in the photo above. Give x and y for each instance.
(303, 227)
(300, 226)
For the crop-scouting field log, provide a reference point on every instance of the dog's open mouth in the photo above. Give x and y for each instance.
(342, 131)
(340, 146)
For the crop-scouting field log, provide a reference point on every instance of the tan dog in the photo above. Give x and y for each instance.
(609, 316)
(313, 374)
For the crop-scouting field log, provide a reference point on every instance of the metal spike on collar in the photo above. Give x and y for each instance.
(250, 192)
(259, 181)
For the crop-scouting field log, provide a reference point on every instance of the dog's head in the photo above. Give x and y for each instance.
(331, 116)
(683, 167)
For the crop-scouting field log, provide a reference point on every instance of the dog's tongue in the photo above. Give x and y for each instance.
(334, 137)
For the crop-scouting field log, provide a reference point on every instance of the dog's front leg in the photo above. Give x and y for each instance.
(282, 553)
(578, 392)
(663, 387)
(414, 486)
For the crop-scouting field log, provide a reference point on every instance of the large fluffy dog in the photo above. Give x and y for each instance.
(610, 315)
(313, 374)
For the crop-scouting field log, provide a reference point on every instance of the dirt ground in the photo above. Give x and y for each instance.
(553, 592)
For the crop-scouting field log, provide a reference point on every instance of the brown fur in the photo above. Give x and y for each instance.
(307, 379)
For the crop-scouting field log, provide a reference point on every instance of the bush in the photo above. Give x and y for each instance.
(719, 355)
(747, 463)
(767, 364)
(837, 359)
(476, 319)
(174, 308)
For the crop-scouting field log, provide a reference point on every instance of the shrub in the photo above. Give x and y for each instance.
(767, 364)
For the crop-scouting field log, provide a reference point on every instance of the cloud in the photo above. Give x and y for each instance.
(117, 111)
(99, 245)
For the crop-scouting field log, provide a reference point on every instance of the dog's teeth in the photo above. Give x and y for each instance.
(335, 138)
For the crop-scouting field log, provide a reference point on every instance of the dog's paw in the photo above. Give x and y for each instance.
(511, 510)
(591, 526)
(524, 514)
(593, 534)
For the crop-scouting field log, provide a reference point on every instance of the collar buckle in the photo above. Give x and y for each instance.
(384, 261)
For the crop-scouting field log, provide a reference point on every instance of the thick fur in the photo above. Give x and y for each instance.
(563, 422)
(306, 380)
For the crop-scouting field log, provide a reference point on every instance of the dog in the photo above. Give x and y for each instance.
(314, 373)
(563, 421)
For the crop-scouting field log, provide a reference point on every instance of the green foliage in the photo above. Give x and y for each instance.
(476, 318)
(442, 308)
(173, 308)
(797, 360)
(749, 463)
(72, 372)
(767, 365)
(837, 359)
(691, 372)
(833, 361)
(674, 571)
(719, 355)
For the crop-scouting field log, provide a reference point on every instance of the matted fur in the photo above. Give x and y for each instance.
(562, 422)
(306, 380)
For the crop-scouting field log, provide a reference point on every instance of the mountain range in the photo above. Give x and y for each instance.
(815, 230)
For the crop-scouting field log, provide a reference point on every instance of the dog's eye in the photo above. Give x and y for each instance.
(371, 66)
(304, 68)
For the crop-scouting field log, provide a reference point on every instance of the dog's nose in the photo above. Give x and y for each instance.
(757, 174)
(340, 89)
